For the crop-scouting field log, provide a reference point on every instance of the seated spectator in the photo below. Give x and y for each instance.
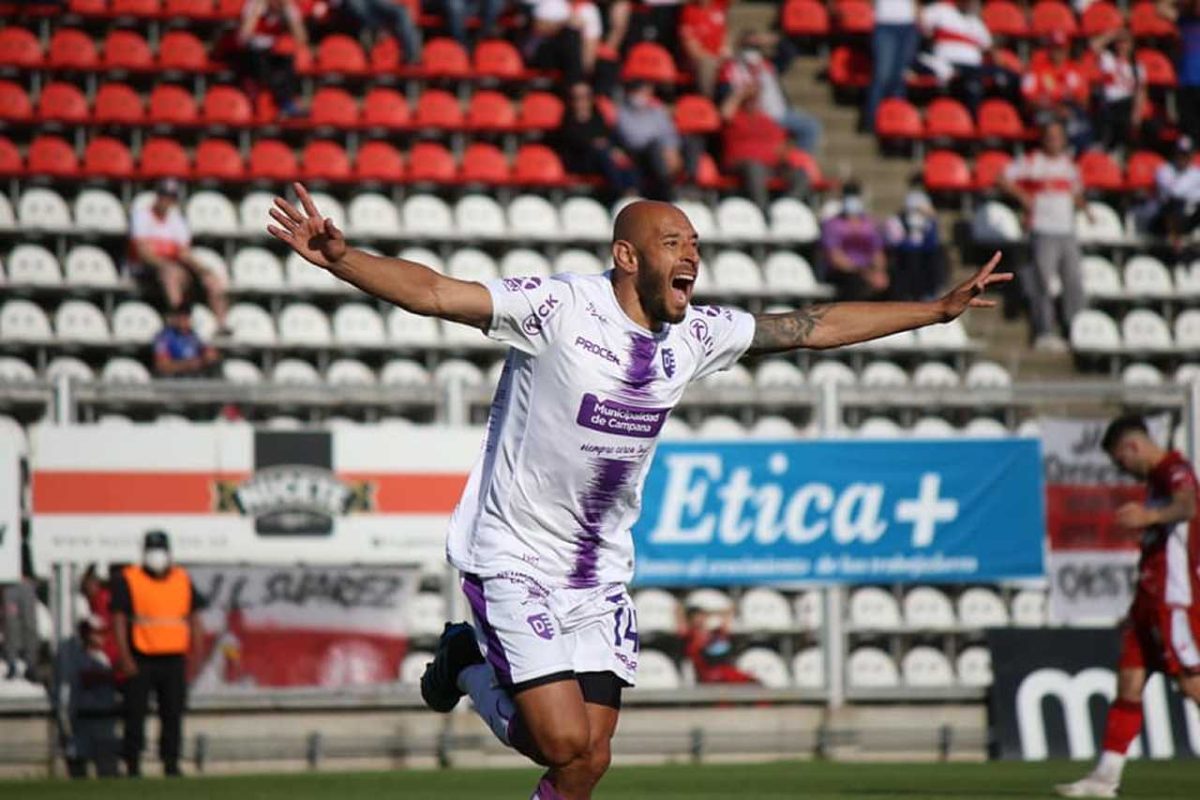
(1055, 90)
(658, 21)
(457, 12)
(1122, 107)
(160, 244)
(565, 36)
(893, 47)
(267, 59)
(648, 135)
(755, 146)
(918, 266)
(392, 16)
(179, 352)
(702, 35)
(1047, 185)
(1186, 16)
(709, 647)
(1177, 195)
(960, 51)
(852, 248)
(750, 66)
(85, 672)
(585, 140)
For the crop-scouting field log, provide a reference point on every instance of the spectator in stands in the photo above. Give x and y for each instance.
(707, 644)
(1055, 89)
(179, 352)
(1176, 212)
(457, 12)
(960, 51)
(1122, 105)
(755, 147)
(893, 47)
(852, 247)
(918, 263)
(85, 674)
(392, 16)
(648, 135)
(1187, 93)
(616, 25)
(750, 66)
(1048, 186)
(266, 59)
(161, 242)
(585, 140)
(565, 36)
(20, 630)
(703, 37)
(660, 23)
(99, 599)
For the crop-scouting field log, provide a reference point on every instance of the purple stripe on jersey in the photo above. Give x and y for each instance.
(601, 494)
(472, 587)
(640, 371)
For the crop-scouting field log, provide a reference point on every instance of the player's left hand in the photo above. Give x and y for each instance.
(1134, 517)
(968, 294)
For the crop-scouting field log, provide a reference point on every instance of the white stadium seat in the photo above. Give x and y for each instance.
(736, 272)
(1187, 373)
(772, 426)
(212, 261)
(135, 322)
(372, 215)
(358, 325)
(1101, 278)
(935, 374)
(883, 374)
(241, 371)
(1187, 279)
(124, 370)
(1146, 276)
(308, 277)
(14, 369)
(403, 372)
(676, 429)
(776, 373)
(8, 218)
(879, 428)
(711, 600)
(256, 269)
(295, 372)
(70, 368)
(349, 372)
(980, 608)
(987, 375)
(1094, 331)
(43, 209)
(926, 608)
(454, 369)
(522, 262)
(702, 219)
(1100, 225)
(871, 668)
(809, 610)
(740, 219)
(945, 336)
(736, 377)
(872, 608)
(1187, 330)
(427, 216)
(99, 211)
(657, 611)
(1030, 429)
(423, 255)
(656, 670)
(926, 667)
(204, 323)
(585, 220)
(767, 667)
(477, 216)
(412, 330)
(533, 217)
(426, 614)
(830, 371)
(456, 334)
(304, 325)
(985, 428)
(471, 264)
(1029, 608)
(995, 223)
(1143, 329)
(24, 321)
(793, 221)
(973, 667)
(413, 667)
(89, 266)
(579, 262)
(254, 213)
(808, 668)
(33, 265)
(211, 213)
(251, 324)
(1142, 375)
(788, 272)
(765, 610)
(720, 426)
(80, 321)
(932, 428)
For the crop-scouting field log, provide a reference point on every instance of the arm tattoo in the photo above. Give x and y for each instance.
(775, 333)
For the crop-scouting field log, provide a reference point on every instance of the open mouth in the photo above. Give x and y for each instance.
(681, 287)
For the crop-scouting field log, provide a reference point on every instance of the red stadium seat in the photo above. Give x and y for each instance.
(385, 55)
(190, 9)
(946, 171)
(379, 161)
(1050, 16)
(438, 109)
(484, 163)
(1101, 17)
(62, 102)
(537, 164)
(445, 58)
(1098, 170)
(229, 9)
(989, 166)
(163, 158)
(385, 108)
(72, 49)
(118, 103)
(106, 157)
(271, 158)
(19, 48)
(1140, 168)
(52, 155)
(182, 50)
(88, 7)
(10, 158)
(219, 160)
(340, 54)
(850, 67)
(1160, 72)
(648, 61)
(946, 118)
(854, 17)
(333, 106)
(805, 18)
(127, 50)
(1003, 57)
(998, 119)
(707, 174)
(1146, 23)
(135, 8)
(490, 111)
(496, 58)
(429, 161)
(225, 105)
(695, 113)
(1005, 18)
(322, 160)
(172, 105)
(798, 158)
(896, 118)
(15, 105)
(541, 111)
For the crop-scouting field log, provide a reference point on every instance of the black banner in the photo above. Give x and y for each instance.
(1051, 691)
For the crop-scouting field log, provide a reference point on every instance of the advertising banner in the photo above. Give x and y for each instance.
(312, 626)
(1051, 691)
(10, 509)
(841, 511)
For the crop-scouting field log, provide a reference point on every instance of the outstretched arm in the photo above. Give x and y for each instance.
(826, 325)
(412, 286)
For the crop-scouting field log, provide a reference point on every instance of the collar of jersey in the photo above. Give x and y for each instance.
(629, 323)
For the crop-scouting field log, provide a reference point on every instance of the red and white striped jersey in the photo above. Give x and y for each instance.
(1053, 183)
(1169, 568)
(1120, 77)
(958, 38)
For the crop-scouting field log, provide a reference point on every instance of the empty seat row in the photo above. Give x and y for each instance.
(925, 608)
(1140, 330)
(921, 667)
(1142, 276)
(1100, 225)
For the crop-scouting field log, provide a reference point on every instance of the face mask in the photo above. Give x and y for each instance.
(156, 560)
(852, 205)
(751, 56)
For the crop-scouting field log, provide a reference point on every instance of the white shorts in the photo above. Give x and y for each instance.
(532, 634)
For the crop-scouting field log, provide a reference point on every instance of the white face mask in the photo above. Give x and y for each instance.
(752, 56)
(156, 560)
(852, 205)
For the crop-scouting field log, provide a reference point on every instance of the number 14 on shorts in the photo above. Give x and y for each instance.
(627, 616)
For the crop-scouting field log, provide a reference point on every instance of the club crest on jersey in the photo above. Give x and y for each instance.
(541, 625)
(668, 362)
(521, 284)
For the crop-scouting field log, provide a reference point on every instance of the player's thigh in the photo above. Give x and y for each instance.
(556, 719)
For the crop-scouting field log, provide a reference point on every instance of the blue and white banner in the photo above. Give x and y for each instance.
(841, 511)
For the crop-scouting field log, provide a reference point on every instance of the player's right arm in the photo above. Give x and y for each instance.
(412, 286)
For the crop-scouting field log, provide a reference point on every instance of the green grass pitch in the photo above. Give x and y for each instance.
(773, 781)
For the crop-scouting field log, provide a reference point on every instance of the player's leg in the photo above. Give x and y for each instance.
(175, 281)
(601, 693)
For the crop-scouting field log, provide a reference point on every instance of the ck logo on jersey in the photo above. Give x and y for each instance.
(699, 329)
(519, 284)
(532, 324)
(668, 362)
(541, 625)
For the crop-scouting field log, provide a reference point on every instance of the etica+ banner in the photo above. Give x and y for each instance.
(841, 511)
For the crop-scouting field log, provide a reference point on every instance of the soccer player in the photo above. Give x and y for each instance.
(541, 534)
(1162, 628)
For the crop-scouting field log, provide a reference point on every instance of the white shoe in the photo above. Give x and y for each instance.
(1091, 786)
(1049, 343)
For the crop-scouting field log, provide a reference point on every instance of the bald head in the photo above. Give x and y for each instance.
(656, 256)
(647, 218)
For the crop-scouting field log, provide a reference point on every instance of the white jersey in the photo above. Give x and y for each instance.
(573, 426)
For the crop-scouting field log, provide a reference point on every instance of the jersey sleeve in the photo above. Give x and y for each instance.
(528, 313)
(722, 334)
(1180, 478)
